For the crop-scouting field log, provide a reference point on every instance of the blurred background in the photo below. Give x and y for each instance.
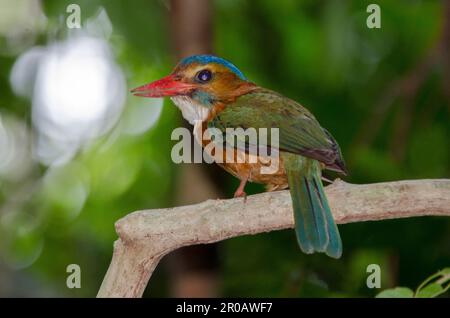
(78, 152)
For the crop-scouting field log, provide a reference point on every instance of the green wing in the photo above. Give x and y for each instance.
(299, 131)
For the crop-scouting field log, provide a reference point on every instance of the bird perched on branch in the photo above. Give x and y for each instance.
(213, 93)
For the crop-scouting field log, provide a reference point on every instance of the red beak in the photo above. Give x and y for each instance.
(166, 86)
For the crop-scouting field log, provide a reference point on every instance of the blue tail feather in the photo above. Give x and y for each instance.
(334, 248)
(314, 224)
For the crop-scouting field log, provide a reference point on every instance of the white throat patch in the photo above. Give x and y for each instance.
(192, 111)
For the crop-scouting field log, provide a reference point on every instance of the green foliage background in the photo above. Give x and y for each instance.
(317, 52)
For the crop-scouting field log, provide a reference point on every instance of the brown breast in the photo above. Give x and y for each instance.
(259, 169)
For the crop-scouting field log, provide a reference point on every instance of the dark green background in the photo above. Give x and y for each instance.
(320, 53)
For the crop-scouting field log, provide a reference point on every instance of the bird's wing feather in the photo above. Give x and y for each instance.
(299, 131)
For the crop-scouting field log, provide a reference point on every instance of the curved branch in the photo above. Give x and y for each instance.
(146, 236)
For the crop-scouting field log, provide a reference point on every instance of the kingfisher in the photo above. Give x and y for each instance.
(211, 92)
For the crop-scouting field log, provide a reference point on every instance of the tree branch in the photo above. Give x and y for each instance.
(146, 236)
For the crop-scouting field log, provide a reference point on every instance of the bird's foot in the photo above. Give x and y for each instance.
(240, 194)
(240, 190)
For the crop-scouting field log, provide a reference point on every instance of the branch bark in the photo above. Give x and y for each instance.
(146, 236)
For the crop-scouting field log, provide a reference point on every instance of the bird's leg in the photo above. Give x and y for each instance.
(327, 180)
(240, 190)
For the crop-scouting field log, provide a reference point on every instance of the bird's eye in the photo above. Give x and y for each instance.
(204, 76)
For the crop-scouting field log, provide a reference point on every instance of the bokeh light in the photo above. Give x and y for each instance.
(19, 24)
(15, 160)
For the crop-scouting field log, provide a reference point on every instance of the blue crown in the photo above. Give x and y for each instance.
(206, 59)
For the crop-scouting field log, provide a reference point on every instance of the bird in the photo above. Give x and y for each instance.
(211, 92)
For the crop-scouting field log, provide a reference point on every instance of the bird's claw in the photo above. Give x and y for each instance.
(241, 194)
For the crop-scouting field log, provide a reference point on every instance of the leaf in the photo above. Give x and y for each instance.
(397, 292)
(445, 271)
(430, 291)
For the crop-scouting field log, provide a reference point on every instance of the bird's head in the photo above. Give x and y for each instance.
(206, 79)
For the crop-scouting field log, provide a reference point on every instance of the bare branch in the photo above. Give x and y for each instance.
(146, 236)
